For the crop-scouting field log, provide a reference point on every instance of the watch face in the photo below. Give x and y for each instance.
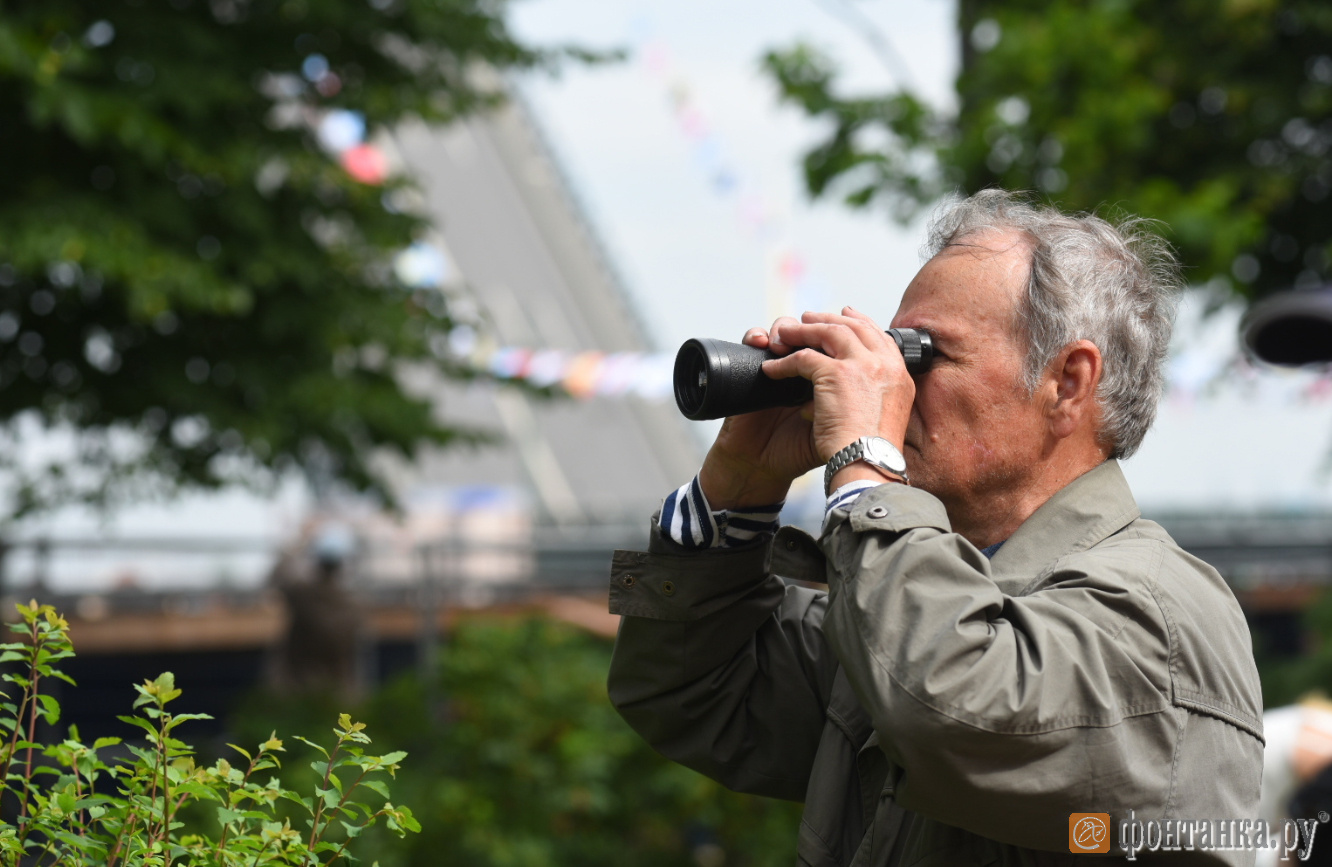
(883, 453)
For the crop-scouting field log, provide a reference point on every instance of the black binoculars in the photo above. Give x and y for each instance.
(715, 379)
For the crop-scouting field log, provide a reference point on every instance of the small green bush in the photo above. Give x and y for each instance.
(519, 760)
(65, 804)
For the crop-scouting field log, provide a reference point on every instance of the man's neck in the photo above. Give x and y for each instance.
(991, 517)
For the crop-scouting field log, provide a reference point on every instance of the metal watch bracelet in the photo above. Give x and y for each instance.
(849, 455)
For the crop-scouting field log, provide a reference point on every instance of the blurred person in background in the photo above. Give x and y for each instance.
(317, 652)
(1004, 640)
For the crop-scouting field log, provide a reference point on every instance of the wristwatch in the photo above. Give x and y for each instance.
(875, 451)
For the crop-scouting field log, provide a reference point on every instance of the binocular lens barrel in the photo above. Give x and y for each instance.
(715, 379)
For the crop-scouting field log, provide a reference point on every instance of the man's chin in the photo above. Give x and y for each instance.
(924, 477)
(919, 474)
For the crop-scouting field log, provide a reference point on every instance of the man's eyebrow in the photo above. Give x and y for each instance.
(930, 330)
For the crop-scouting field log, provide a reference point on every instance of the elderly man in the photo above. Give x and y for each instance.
(1004, 641)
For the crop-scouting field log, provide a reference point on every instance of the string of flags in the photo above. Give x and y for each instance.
(584, 375)
(581, 374)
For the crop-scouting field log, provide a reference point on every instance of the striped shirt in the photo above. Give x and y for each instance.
(688, 520)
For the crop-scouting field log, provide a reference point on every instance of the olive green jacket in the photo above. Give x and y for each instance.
(938, 708)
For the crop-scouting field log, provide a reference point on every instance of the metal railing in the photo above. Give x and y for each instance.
(148, 571)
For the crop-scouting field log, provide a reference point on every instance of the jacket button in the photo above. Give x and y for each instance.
(877, 512)
(628, 580)
(668, 587)
(790, 544)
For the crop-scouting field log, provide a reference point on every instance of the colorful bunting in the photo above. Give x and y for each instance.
(583, 375)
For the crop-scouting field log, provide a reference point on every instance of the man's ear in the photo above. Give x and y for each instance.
(1074, 375)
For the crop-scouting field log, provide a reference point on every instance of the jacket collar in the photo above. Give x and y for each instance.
(1086, 511)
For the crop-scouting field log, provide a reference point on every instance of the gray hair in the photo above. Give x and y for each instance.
(1114, 284)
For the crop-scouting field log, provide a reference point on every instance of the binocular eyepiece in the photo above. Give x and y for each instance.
(715, 379)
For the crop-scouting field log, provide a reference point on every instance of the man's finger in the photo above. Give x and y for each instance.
(869, 332)
(756, 337)
(777, 340)
(802, 362)
(837, 338)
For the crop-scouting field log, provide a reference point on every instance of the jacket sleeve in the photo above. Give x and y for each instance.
(719, 664)
(998, 711)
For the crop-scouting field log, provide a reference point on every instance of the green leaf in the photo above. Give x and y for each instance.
(379, 787)
(50, 708)
(226, 816)
(141, 723)
(310, 743)
(404, 817)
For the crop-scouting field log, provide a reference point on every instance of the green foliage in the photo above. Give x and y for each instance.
(1288, 679)
(521, 761)
(76, 807)
(178, 258)
(1215, 118)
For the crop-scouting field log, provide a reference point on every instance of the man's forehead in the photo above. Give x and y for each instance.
(978, 276)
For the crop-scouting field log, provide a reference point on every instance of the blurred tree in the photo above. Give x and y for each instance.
(1215, 118)
(180, 261)
(522, 762)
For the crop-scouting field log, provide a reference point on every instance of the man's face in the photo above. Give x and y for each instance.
(974, 429)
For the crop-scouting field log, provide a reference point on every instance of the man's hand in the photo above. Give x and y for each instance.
(757, 455)
(861, 388)
(861, 384)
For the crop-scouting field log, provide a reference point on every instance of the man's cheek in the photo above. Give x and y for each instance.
(982, 454)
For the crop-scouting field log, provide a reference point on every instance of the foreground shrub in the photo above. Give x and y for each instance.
(148, 802)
